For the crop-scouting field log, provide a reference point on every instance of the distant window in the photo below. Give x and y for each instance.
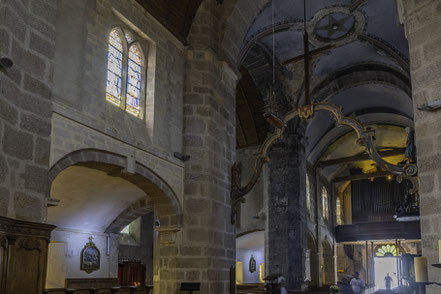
(325, 203)
(125, 67)
(386, 251)
(338, 210)
(308, 194)
(126, 230)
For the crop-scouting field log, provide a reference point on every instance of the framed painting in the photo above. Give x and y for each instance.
(90, 257)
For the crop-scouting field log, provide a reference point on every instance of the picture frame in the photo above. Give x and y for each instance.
(90, 257)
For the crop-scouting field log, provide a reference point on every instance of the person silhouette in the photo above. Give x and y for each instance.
(388, 282)
(357, 284)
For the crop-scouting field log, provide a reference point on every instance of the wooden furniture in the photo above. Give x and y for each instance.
(131, 273)
(100, 283)
(112, 290)
(23, 256)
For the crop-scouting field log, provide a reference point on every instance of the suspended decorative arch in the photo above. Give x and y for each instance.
(125, 67)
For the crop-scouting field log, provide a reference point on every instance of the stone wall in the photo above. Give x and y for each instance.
(423, 21)
(27, 36)
(84, 119)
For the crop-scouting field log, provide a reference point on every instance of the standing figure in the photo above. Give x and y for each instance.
(388, 282)
(357, 284)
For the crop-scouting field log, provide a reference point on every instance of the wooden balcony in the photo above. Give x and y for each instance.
(378, 231)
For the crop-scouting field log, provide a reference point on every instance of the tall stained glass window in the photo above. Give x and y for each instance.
(308, 194)
(125, 65)
(338, 211)
(114, 68)
(134, 78)
(325, 203)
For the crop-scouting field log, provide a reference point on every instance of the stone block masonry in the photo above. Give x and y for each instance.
(423, 22)
(27, 37)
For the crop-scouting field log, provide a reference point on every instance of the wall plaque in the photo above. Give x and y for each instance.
(252, 264)
(90, 257)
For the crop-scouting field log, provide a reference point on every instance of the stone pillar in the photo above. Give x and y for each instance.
(205, 247)
(208, 249)
(287, 215)
(27, 36)
(423, 22)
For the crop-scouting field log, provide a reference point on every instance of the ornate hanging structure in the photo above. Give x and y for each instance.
(407, 211)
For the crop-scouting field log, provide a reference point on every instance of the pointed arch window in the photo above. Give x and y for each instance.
(325, 203)
(125, 72)
(308, 193)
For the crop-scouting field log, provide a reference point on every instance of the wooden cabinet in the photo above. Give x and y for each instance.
(23, 256)
(131, 273)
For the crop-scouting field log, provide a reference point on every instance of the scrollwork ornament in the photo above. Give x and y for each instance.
(365, 138)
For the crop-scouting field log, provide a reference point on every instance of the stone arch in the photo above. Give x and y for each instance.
(163, 200)
(328, 263)
(314, 268)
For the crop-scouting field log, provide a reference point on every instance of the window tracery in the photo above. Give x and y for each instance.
(125, 67)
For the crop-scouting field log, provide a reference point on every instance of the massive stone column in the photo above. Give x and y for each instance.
(423, 22)
(207, 245)
(286, 224)
(27, 36)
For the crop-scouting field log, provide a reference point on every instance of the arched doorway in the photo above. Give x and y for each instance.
(328, 269)
(314, 270)
(98, 198)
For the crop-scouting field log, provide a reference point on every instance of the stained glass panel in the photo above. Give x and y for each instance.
(114, 69)
(134, 78)
(387, 250)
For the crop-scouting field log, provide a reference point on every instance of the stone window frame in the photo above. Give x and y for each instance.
(144, 47)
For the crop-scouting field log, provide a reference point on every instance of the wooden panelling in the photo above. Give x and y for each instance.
(23, 256)
(378, 231)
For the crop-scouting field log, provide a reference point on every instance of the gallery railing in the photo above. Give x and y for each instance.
(112, 290)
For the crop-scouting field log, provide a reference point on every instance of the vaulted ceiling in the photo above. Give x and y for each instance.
(364, 67)
(176, 15)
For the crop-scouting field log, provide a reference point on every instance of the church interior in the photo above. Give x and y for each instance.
(220, 146)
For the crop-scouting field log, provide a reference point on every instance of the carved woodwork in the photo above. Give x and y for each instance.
(23, 256)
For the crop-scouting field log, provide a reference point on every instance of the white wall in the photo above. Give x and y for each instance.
(244, 256)
(75, 242)
(56, 267)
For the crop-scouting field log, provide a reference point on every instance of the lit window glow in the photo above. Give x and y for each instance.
(325, 203)
(308, 194)
(386, 250)
(114, 69)
(125, 64)
(134, 77)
